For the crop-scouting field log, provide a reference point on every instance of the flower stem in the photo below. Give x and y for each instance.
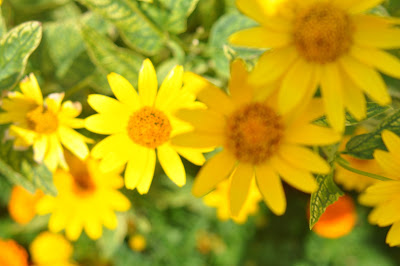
(345, 164)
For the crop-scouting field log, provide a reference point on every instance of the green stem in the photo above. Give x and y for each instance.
(345, 164)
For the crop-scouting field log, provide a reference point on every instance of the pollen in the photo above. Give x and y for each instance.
(254, 133)
(42, 120)
(149, 127)
(322, 33)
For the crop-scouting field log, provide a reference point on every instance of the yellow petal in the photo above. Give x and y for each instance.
(54, 154)
(272, 65)
(136, 167)
(366, 78)
(30, 88)
(198, 140)
(312, 110)
(241, 91)
(112, 143)
(359, 6)
(74, 228)
(93, 227)
(118, 201)
(53, 102)
(58, 220)
(203, 120)
(212, 173)
(240, 186)
(106, 105)
(208, 93)
(332, 95)
(383, 61)
(106, 124)
(380, 36)
(114, 160)
(312, 135)
(172, 164)
(260, 37)
(71, 109)
(170, 87)
(300, 179)
(39, 149)
(388, 163)
(271, 188)
(148, 174)
(392, 142)
(109, 219)
(304, 158)
(192, 155)
(393, 236)
(385, 214)
(124, 91)
(380, 192)
(147, 83)
(354, 99)
(73, 141)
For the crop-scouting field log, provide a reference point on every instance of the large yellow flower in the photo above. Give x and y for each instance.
(45, 124)
(87, 198)
(256, 139)
(330, 43)
(140, 124)
(385, 195)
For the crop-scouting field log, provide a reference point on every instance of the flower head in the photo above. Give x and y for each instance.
(22, 204)
(331, 44)
(87, 199)
(139, 124)
(12, 254)
(44, 124)
(384, 196)
(256, 139)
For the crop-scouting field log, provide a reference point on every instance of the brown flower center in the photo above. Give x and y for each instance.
(149, 127)
(253, 133)
(42, 120)
(322, 33)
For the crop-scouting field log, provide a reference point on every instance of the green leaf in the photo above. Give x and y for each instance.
(3, 28)
(363, 146)
(37, 5)
(110, 58)
(136, 29)
(326, 194)
(14, 177)
(15, 48)
(39, 175)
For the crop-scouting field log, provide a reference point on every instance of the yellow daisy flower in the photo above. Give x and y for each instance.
(44, 123)
(49, 249)
(141, 123)
(257, 140)
(219, 198)
(333, 44)
(385, 195)
(87, 198)
(22, 204)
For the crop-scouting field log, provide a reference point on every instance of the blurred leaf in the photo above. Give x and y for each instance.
(40, 176)
(326, 194)
(110, 58)
(3, 28)
(363, 146)
(137, 30)
(37, 5)
(14, 177)
(15, 48)
(112, 240)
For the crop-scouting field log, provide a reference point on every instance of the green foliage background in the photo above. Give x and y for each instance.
(73, 45)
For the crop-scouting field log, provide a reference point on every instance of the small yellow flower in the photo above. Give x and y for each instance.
(140, 124)
(331, 44)
(12, 254)
(137, 243)
(49, 249)
(44, 124)
(219, 198)
(384, 196)
(257, 140)
(87, 198)
(22, 204)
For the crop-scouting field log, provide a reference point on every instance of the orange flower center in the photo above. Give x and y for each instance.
(82, 180)
(322, 33)
(42, 120)
(149, 127)
(253, 133)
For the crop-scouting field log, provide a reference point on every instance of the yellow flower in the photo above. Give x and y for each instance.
(12, 254)
(49, 249)
(333, 44)
(137, 243)
(219, 198)
(87, 198)
(256, 139)
(22, 204)
(384, 196)
(350, 180)
(45, 124)
(141, 123)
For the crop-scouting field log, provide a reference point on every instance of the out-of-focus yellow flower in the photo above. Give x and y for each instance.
(87, 199)
(257, 141)
(44, 124)
(334, 45)
(384, 196)
(338, 219)
(12, 254)
(137, 243)
(146, 123)
(22, 204)
(219, 198)
(49, 249)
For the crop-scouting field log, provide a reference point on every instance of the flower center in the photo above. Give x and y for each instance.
(322, 33)
(149, 127)
(254, 133)
(42, 120)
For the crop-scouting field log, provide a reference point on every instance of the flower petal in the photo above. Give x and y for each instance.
(354, 99)
(106, 124)
(194, 156)
(312, 135)
(73, 141)
(241, 91)
(203, 120)
(393, 236)
(388, 163)
(172, 164)
(30, 88)
(106, 105)
(148, 174)
(147, 83)
(260, 37)
(240, 186)
(136, 167)
(40, 148)
(124, 91)
(392, 142)
(171, 85)
(198, 140)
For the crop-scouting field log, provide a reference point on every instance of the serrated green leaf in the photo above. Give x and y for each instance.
(14, 177)
(137, 30)
(326, 194)
(15, 48)
(110, 58)
(363, 146)
(40, 176)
